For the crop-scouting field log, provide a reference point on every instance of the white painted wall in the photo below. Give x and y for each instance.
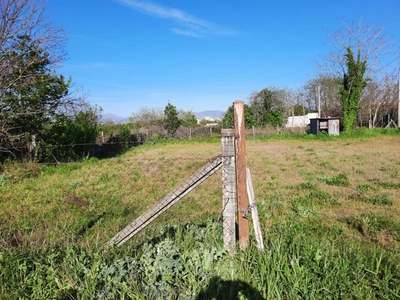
(300, 121)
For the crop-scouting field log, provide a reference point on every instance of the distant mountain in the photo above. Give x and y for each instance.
(212, 114)
(114, 118)
(208, 114)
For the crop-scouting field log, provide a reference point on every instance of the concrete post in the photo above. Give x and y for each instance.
(228, 189)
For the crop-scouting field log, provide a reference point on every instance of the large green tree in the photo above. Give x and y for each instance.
(268, 107)
(188, 118)
(354, 83)
(32, 95)
(249, 121)
(35, 94)
(371, 48)
(171, 121)
(31, 92)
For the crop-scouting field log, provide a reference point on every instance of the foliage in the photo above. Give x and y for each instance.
(30, 48)
(365, 132)
(5, 179)
(186, 265)
(339, 180)
(300, 110)
(155, 117)
(268, 107)
(374, 47)
(381, 199)
(353, 85)
(35, 94)
(125, 134)
(27, 41)
(69, 139)
(249, 121)
(171, 121)
(187, 118)
(176, 264)
(372, 43)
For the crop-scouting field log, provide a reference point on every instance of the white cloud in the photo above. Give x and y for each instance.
(197, 27)
(186, 32)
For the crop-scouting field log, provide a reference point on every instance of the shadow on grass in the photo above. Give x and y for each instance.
(220, 289)
(88, 225)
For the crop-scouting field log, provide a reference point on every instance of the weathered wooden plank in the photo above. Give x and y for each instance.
(240, 164)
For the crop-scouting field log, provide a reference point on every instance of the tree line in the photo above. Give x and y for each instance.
(42, 109)
(357, 81)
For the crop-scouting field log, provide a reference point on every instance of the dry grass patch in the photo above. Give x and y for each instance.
(330, 179)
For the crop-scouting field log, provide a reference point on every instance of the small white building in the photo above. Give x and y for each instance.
(208, 119)
(300, 121)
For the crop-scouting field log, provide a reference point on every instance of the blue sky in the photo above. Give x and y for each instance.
(200, 55)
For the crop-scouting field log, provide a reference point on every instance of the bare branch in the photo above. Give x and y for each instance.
(368, 39)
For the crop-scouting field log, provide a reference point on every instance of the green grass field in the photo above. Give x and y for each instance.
(329, 209)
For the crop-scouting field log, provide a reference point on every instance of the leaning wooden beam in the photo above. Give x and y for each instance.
(173, 197)
(254, 211)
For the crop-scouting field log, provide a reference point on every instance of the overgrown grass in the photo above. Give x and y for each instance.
(302, 260)
(339, 180)
(361, 132)
(328, 207)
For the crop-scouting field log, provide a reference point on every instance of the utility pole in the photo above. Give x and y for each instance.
(398, 103)
(319, 101)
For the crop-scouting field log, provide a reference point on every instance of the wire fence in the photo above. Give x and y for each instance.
(110, 145)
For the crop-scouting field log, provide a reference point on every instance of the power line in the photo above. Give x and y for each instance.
(386, 65)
